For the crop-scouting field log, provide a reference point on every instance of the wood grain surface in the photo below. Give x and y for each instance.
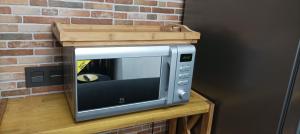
(103, 34)
(50, 114)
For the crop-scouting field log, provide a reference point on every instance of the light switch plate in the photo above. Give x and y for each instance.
(43, 76)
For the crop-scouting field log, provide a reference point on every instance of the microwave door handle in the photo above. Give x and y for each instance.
(172, 73)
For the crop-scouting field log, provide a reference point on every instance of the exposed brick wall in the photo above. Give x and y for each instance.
(156, 128)
(26, 39)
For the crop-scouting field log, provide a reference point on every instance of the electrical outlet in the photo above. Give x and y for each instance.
(43, 76)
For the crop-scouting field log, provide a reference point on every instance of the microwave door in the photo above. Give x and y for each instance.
(100, 88)
(121, 78)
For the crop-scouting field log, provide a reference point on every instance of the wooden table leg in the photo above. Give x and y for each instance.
(182, 126)
(207, 119)
(172, 126)
(3, 103)
(185, 125)
(192, 121)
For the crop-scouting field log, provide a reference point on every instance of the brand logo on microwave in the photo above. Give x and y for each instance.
(121, 100)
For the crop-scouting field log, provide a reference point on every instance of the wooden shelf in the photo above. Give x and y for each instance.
(50, 114)
(99, 35)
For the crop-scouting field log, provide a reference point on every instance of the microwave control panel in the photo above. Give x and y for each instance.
(184, 73)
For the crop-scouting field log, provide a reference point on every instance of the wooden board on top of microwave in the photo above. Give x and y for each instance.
(99, 35)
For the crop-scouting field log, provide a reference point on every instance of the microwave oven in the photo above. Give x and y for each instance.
(112, 80)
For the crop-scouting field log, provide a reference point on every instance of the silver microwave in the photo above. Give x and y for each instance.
(107, 81)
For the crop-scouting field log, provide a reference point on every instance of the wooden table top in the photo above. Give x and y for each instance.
(50, 114)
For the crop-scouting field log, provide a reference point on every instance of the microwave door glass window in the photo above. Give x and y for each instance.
(111, 82)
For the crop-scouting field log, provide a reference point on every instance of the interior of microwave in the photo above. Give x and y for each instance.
(105, 83)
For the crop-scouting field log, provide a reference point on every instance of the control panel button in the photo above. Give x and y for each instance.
(182, 82)
(184, 68)
(184, 75)
(182, 94)
(181, 68)
(187, 68)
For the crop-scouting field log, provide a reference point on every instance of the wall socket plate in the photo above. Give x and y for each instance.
(43, 76)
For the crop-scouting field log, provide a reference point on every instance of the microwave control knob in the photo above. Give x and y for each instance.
(182, 93)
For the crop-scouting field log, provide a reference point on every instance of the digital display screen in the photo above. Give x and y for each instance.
(186, 57)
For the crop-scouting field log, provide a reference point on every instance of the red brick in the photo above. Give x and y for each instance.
(5, 10)
(149, 131)
(43, 36)
(2, 44)
(147, 126)
(7, 85)
(147, 23)
(178, 11)
(12, 76)
(44, 20)
(145, 2)
(151, 16)
(30, 60)
(120, 15)
(29, 44)
(126, 8)
(98, 6)
(130, 129)
(25, 11)
(162, 4)
(102, 14)
(123, 22)
(172, 22)
(50, 12)
(91, 21)
(51, 64)
(9, 69)
(159, 123)
(35, 28)
(109, 1)
(14, 2)
(8, 28)
(15, 52)
(78, 13)
(95, 0)
(162, 10)
(47, 89)
(53, 51)
(137, 16)
(145, 9)
(174, 4)
(124, 1)
(21, 84)
(15, 92)
(8, 61)
(66, 4)
(169, 17)
(156, 129)
(15, 36)
(38, 2)
(10, 19)
(58, 58)
(161, 132)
